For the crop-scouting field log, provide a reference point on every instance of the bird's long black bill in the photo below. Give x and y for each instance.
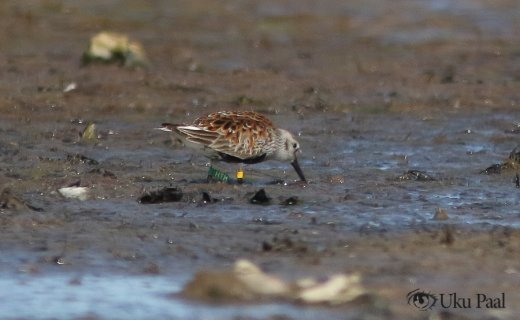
(299, 171)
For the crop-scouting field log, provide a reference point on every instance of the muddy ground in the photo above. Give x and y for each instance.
(373, 89)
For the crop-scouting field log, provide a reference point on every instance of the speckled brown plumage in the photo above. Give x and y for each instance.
(242, 134)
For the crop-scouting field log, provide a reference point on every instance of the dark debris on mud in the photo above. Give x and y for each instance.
(416, 175)
(168, 194)
(291, 201)
(206, 198)
(511, 163)
(260, 197)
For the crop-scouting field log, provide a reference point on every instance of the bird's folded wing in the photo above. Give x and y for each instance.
(237, 147)
(198, 135)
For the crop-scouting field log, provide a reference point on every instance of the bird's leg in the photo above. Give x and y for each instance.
(240, 174)
(211, 172)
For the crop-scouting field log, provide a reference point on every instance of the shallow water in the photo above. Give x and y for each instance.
(63, 296)
(354, 187)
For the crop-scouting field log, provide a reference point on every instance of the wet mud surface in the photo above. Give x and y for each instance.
(402, 111)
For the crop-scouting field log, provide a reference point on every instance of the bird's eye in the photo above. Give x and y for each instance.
(295, 145)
